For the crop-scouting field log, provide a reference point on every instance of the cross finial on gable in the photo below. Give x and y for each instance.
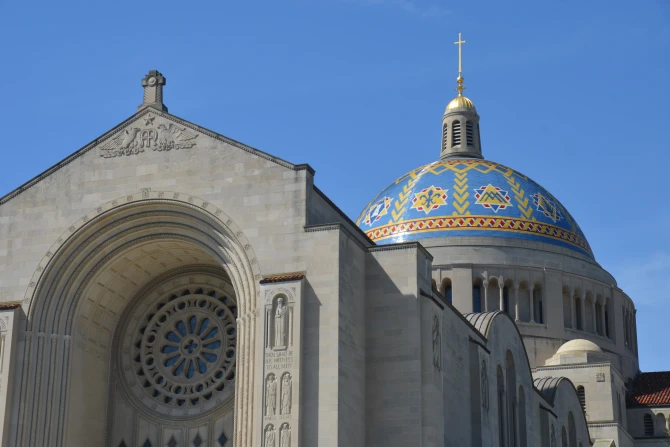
(153, 84)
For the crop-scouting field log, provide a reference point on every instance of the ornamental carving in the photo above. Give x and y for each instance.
(133, 140)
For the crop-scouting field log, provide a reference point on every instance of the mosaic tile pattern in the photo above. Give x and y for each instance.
(468, 197)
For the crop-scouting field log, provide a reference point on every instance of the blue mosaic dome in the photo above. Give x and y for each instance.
(469, 197)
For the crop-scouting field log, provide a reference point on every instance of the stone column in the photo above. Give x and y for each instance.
(516, 302)
(502, 299)
(531, 303)
(485, 306)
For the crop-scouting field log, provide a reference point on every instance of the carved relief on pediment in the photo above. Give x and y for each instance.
(156, 137)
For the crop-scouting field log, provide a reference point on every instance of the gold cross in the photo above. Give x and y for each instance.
(460, 53)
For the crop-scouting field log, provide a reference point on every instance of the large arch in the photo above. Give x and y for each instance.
(82, 286)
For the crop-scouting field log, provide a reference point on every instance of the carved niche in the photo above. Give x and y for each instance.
(285, 435)
(269, 438)
(281, 311)
(161, 137)
(270, 395)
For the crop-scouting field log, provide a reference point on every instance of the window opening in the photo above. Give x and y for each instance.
(648, 425)
(455, 133)
(476, 299)
(469, 133)
(582, 397)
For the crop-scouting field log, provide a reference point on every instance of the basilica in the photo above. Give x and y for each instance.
(167, 286)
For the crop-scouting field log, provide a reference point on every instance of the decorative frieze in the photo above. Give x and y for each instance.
(159, 137)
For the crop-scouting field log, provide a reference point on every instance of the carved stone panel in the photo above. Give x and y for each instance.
(281, 313)
(146, 135)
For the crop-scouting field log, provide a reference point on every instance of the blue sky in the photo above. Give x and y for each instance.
(573, 94)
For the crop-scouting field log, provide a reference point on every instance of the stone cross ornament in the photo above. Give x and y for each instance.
(153, 84)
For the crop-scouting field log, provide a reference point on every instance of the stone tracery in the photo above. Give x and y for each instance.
(183, 352)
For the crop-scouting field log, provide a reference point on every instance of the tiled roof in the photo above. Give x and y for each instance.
(9, 306)
(282, 278)
(548, 386)
(652, 388)
(482, 321)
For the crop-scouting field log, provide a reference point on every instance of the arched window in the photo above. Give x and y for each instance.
(501, 408)
(648, 425)
(564, 437)
(505, 293)
(578, 313)
(582, 397)
(446, 289)
(599, 320)
(512, 410)
(477, 297)
(445, 135)
(537, 306)
(607, 318)
(572, 430)
(522, 418)
(469, 133)
(588, 313)
(661, 426)
(455, 133)
(523, 295)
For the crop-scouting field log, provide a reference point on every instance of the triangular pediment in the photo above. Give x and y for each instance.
(149, 130)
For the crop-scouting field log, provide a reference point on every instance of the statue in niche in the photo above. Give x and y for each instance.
(285, 436)
(280, 324)
(286, 394)
(437, 354)
(553, 436)
(270, 395)
(485, 386)
(269, 436)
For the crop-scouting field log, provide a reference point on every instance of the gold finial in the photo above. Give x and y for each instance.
(460, 87)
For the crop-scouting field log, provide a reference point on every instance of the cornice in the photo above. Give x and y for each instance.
(402, 246)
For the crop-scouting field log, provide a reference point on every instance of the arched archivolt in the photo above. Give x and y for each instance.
(88, 276)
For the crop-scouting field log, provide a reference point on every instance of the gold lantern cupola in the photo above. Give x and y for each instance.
(460, 122)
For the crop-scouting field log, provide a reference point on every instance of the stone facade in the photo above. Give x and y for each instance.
(168, 286)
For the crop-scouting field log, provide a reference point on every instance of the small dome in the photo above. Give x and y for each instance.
(580, 345)
(460, 102)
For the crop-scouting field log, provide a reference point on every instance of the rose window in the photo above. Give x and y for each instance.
(182, 354)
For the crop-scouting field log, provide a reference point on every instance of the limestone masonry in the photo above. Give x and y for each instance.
(168, 286)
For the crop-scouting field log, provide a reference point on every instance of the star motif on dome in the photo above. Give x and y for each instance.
(492, 197)
(377, 210)
(547, 207)
(429, 199)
